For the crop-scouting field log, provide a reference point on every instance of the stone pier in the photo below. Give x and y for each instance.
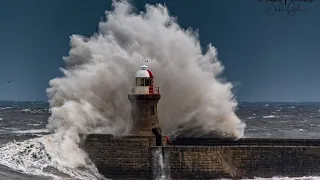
(132, 157)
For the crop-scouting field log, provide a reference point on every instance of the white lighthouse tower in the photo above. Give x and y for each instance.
(144, 99)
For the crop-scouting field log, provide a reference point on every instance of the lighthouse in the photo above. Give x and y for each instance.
(144, 97)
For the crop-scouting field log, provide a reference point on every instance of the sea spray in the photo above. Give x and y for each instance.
(161, 169)
(36, 157)
(91, 97)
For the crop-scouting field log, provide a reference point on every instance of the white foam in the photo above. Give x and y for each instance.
(26, 110)
(251, 117)
(10, 128)
(270, 116)
(34, 124)
(35, 157)
(31, 111)
(31, 131)
(5, 108)
(161, 169)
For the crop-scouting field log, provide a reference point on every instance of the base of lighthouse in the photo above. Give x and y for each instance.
(144, 114)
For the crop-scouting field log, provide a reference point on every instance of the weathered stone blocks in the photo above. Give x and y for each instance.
(133, 157)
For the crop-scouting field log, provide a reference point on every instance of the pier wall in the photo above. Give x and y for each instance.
(242, 162)
(133, 157)
(121, 158)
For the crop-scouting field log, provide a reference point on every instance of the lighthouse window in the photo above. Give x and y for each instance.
(147, 82)
(152, 110)
(143, 82)
(138, 81)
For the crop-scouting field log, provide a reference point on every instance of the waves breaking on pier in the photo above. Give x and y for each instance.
(91, 96)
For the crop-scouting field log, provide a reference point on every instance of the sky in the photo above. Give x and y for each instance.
(267, 57)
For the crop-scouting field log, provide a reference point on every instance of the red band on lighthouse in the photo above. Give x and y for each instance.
(150, 74)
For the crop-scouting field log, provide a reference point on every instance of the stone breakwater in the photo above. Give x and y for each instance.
(132, 157)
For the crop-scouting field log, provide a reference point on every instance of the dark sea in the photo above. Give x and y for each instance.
(22, 121)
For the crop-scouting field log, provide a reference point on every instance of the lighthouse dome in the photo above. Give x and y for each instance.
(143, 72)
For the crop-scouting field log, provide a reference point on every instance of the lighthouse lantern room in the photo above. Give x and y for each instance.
(144, 82)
